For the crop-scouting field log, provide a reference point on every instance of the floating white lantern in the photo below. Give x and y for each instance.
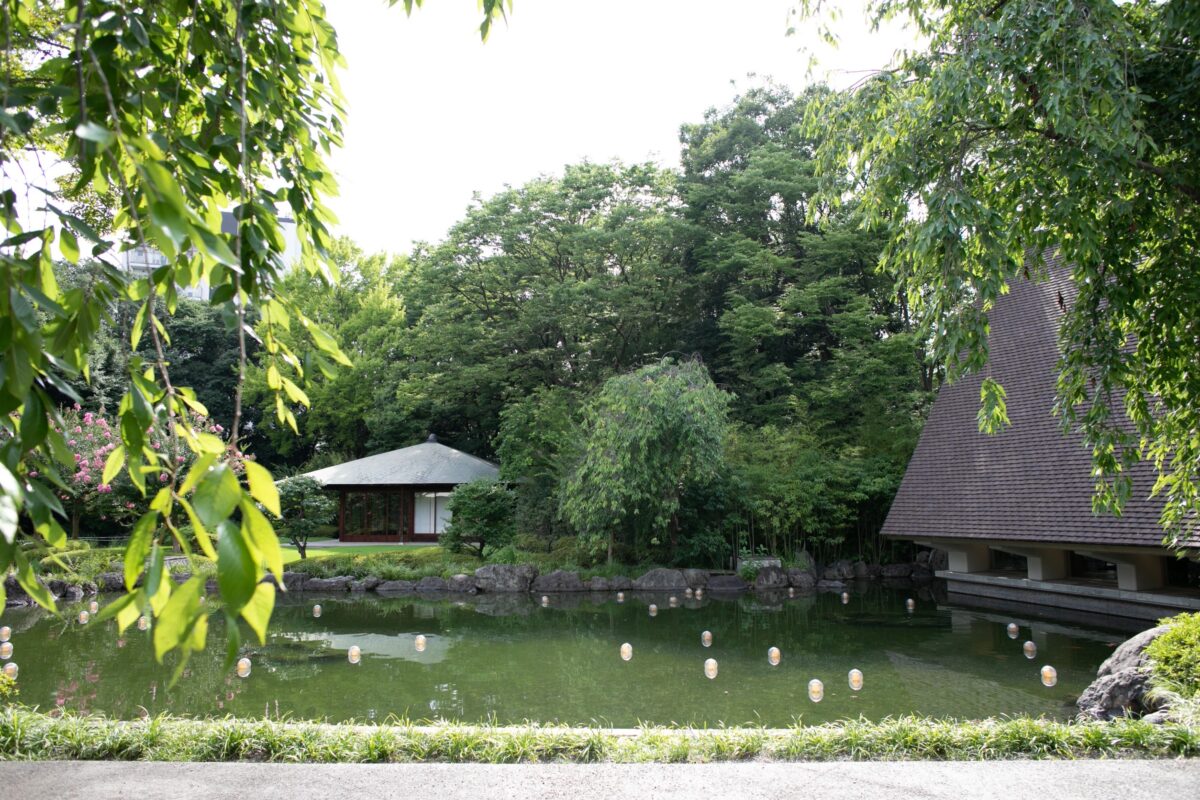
(910, 604)
(1029, 649)
(11, 669)
(93, 606)
(243, 668)
(626, 651)
(816, 690)
(354, 654)
(845, 598)
(672, 601)
(6, 650)
(143, 623)
(699, 593)
(620, 597)
(791, 591)
(773, 656)
(653, 610)
(317, 611)
(84, 616)
(706, 638)
(710, 668)
(1049, 675)
(5, 633)
(856, 679)
(1013, 630)
(545, 601)
(688, 593)
(420, 642)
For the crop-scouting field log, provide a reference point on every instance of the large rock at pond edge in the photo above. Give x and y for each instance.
(558, 581)
(726, 583)
(939, 560)
(696, 578)
(461, 584)
(620, 583)
(15, 594)
(661, 580)
(896, 570)
(801, 579)
(294, 581)
(769, 579)
(339, 584)
(1122, 680)
(838, 571)
(366, 584)
(922, 572)
(505, 577)
(598, 584)
(396, 587)
(431, 584)
(110, 582)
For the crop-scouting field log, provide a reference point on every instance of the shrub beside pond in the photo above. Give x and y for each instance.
(30, 735)
(1175, 655)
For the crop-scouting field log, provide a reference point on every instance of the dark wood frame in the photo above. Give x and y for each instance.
(407, 493)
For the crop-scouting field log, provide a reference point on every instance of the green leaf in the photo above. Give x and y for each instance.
(33, 422)
(257, 612)
(92, 132)
(69, 245)
(30, 583)
(217, 496)
(113, 464)
(258, 531)
(175, 624)
(262, 488)
(139, 547)
(237, 573)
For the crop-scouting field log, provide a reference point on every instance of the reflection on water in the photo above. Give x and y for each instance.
(508, 659)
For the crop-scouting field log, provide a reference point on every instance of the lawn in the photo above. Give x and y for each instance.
(290, 554)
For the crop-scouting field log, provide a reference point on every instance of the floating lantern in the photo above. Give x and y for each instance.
(710, 668)
(626, 651)
(1029, 649)
(816, 690)
(672, 601)
(910, 604)
(6, 650)
(773, 656)
(93, 606)
(1049, 676)
(791, 591)
(1013, 630)
(653, 610)
(84, 616)
(317, 610)
(699, 593)
(856, 679)
(620, 597)
(845, 598)
(420, 642)
(354, 654)
(706, 638)
(11, 669)
(545, 601)
(688, 593)
(143, 623)
(5, 633)
(243, 668)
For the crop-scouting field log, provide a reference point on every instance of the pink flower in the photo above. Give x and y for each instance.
(129, 505)
(155, 445)
(78, 429)
(220, 429)
(162, 478)
(72, 443)
(77, 407)
(97, 462)
(104, 488)
(33, 473)
(178, 459)
(107, 434)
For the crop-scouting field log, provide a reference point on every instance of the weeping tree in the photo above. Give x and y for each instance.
(648, 435)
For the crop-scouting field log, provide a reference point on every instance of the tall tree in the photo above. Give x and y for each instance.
(1025, 128)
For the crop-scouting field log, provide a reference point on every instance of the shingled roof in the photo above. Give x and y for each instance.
(425, 464)
(1030, 482)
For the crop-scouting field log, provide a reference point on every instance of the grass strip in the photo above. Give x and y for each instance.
(31, 735)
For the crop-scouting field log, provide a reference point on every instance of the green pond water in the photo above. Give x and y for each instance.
(508, 660)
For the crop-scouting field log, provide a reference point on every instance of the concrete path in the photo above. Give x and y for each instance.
(999, 780)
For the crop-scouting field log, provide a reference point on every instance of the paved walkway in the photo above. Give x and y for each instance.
(999, 780)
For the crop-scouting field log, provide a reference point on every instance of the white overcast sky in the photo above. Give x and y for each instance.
(435, 115)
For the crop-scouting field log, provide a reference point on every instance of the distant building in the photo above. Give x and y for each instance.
(400, 496)
(144, 259)
(1014, 509)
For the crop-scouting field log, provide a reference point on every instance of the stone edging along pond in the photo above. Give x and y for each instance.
(28, 734)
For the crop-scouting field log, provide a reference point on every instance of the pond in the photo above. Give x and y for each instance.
(509, 659)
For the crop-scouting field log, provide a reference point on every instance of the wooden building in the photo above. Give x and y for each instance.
(1014, 510)
(400, 496)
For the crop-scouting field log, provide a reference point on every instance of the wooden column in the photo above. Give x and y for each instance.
(341, 513)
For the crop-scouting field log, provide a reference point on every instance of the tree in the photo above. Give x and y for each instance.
(305, 507)
(648, 435)
(482, 517)
(181, 109)
(1025, 129)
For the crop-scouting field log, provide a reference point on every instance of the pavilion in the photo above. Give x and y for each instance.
(400, 496)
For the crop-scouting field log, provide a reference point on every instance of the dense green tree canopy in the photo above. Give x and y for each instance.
(1023, 128)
